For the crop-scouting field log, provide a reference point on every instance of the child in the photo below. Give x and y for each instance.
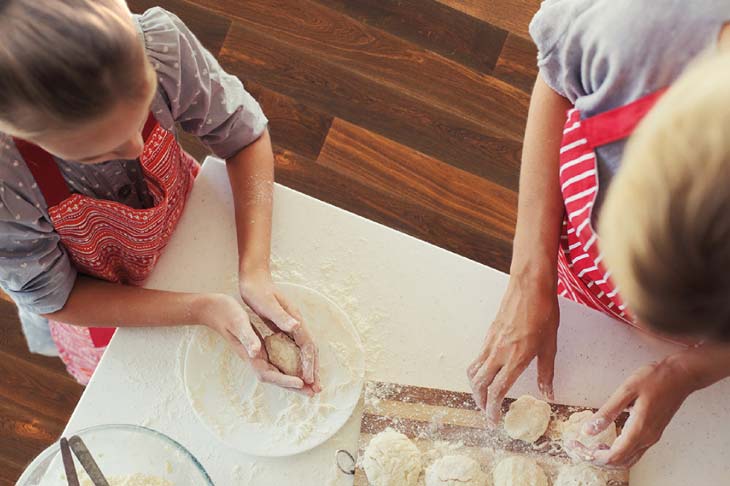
(609, 63)
(93, 181)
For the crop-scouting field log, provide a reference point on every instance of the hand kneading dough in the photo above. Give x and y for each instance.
(455, 471)
(519, 471)
(284, 353)
(527, 419)
(572, 429)
(580, 475)
(391, 459)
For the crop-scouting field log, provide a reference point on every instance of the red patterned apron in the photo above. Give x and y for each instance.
(109, 240)
(582, 276)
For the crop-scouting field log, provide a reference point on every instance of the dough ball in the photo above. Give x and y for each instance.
(455, 471)
(527, 419)
(580, 475)
(572, 429)
(391, 459)
(284, 353)
(519, 471)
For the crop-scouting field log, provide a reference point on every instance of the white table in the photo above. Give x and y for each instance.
(421, 311)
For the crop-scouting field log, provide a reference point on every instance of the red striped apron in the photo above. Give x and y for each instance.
(109, 240)
(582, 276)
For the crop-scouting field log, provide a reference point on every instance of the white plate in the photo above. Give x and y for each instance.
(265, 420)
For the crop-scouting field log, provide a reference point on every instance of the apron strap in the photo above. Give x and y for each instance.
(45, 171)
(619, 123)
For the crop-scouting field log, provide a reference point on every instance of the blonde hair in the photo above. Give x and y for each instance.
(665, 224)
(65, 61)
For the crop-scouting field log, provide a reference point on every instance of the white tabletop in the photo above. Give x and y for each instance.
(421, 312)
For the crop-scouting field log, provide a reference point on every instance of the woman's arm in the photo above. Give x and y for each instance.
(526, 324)
(251, 172)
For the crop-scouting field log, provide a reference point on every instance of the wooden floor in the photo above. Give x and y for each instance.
(408, 112)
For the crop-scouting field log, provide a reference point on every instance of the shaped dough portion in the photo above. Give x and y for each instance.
(527, 419)
(391, 459)
(284, 353)
(572, 430)
(519, 471)
(580, 475)
(455, 471)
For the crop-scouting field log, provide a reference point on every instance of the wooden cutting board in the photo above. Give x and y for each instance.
(442, 422)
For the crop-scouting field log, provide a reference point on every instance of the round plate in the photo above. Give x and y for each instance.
(265, 420)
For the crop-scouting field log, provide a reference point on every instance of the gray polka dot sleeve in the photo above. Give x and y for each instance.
(207, 102)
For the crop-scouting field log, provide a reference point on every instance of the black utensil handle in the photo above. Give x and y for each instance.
(68, 464)
(87, 460)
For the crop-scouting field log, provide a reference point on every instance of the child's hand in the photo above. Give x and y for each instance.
(259, 293)
(526, 326)
(654, 392)
(225, 315)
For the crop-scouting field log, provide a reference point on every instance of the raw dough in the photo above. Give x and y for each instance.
(519, 471)
(284, 353)
(133, 480)
(572, 429)
(527, 419)
(455, 471)
(391, 459)
(580, 475)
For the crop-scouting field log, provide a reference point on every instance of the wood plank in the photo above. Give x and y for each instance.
(389, 209)
(517, 64)
(308, 78)
(511, 15)
(9, 471)
(294, 126)
(31, 386)
(210, 28)
(403, 189)
(388, 60)
(24, 435)
(457, 195)
(13, 342)
(432, 25)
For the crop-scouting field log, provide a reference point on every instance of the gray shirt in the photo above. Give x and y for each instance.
(603, 54)
(193, 91)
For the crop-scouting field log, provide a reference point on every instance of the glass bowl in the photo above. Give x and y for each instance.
(128, 455)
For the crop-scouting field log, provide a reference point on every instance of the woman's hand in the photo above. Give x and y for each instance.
(654, 393)
(526, 326)
(259, 293)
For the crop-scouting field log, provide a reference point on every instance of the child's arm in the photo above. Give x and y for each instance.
(97, 303)
(527, 322)
(251, 172)
(655, 393)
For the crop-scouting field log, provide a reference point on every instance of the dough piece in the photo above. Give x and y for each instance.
(580, 475)
(391, 459)
(572, 429)
(519, 471)
(284, 353)
(527, 419)
(455, 471)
